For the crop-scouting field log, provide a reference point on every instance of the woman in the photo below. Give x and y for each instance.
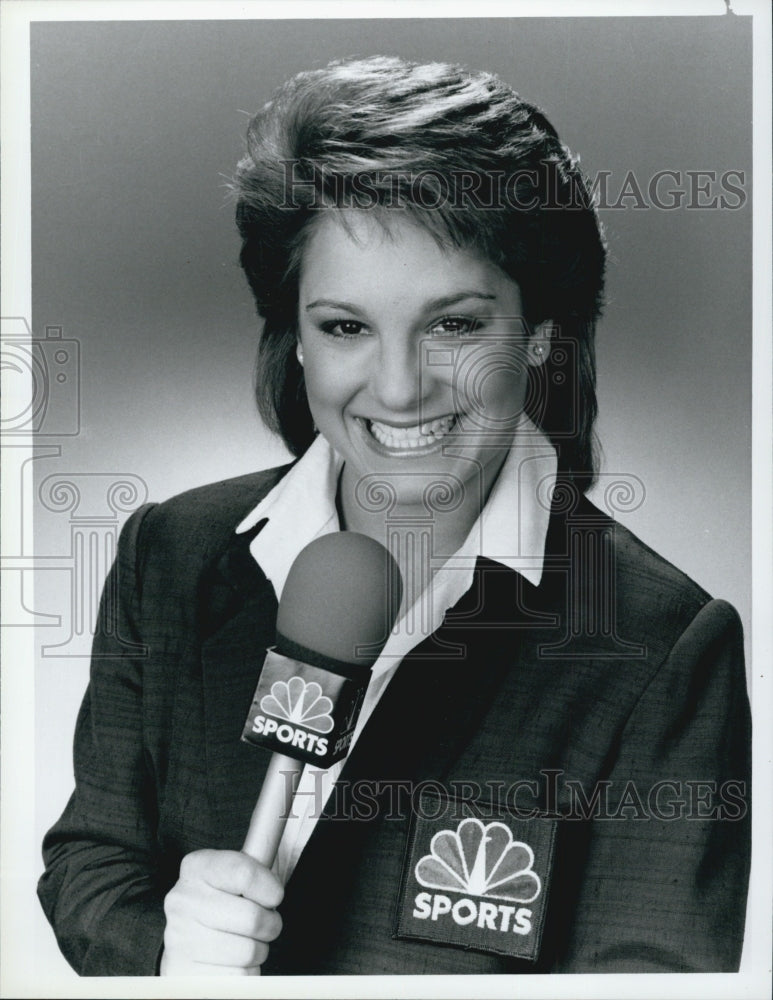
(550, 767)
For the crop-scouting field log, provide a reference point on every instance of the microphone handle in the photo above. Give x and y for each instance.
(272, 809)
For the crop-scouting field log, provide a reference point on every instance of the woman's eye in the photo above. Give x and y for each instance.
(343, 328)
(455, 326)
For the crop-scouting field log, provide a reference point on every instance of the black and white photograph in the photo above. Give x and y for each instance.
(386, 562)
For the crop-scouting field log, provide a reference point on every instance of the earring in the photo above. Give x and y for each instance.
(538, 350)
(299, 354)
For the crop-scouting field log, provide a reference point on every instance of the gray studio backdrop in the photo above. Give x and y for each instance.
(135, 130)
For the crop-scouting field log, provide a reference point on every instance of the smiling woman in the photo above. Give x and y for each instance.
(568, 790)
(375, 305)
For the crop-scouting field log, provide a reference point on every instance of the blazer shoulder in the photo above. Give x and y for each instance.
(223, 499)
(649, 589)
(202, 520)
(631, 551)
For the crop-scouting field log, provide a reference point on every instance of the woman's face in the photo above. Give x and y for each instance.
(415, 357)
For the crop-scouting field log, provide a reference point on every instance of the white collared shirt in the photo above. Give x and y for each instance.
(511, 529)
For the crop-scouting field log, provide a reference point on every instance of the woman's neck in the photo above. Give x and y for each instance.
(419, 533)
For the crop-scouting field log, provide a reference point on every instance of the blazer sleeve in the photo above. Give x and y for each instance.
(102, 889)
(667, 869)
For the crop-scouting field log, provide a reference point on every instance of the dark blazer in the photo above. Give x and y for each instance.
(616, 675)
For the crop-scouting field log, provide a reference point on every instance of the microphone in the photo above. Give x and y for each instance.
(338, 607)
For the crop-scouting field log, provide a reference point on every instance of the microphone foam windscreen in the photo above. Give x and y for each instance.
(341, 598)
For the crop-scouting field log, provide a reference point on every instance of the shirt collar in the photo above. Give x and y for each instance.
(510, 530)
(513, 525)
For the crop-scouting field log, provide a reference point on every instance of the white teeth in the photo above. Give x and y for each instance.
(418, 436)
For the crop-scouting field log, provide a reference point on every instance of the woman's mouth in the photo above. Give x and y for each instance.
(402, 439)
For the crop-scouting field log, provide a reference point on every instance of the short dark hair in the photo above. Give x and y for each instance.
(469, 160)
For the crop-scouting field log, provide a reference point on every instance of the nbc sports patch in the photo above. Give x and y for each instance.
(476, 877)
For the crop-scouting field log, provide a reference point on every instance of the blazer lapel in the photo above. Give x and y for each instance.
(242, 624)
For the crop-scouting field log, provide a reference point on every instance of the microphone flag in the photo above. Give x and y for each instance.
(306, 711)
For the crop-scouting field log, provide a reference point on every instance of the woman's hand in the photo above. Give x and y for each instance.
(220, 916)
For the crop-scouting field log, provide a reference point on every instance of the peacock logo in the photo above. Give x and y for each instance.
(480, 860)
(299, 702)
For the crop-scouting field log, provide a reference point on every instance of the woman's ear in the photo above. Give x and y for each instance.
(299, 352)
(539, 343)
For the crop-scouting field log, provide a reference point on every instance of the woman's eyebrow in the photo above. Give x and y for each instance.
(444, 302)
(450, 300)
(333, 304)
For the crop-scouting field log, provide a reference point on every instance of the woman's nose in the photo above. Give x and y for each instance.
(399, 381)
